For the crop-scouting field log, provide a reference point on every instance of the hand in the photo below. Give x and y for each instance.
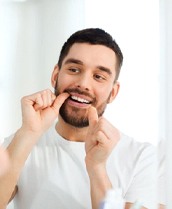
(101, 139)
(39, 110)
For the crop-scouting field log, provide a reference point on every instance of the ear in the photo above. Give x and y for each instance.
(54, 76)
(114, 91)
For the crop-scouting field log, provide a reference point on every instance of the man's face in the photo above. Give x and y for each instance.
(87, 74)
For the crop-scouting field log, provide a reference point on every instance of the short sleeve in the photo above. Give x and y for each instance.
(144, 183)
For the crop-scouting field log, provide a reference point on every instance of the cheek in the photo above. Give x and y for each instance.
(104, 94)
(104, 91)
(61, 78)
(64, 82)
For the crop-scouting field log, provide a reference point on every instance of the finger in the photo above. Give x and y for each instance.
(59, 101)
(107, 128)
(92, 116)
(44, 96)
(101, 137)
(48, 98)
(38, 103)
(43, 100)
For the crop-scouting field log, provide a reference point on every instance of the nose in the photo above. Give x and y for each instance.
(84, 82)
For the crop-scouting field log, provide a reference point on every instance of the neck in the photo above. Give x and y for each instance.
(70, 132)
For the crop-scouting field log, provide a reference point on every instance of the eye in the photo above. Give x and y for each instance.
(74, 70)
(99, 77)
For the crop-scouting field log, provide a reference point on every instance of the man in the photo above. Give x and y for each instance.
(74, 162)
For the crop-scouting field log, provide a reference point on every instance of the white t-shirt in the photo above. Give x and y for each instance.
(55, 176)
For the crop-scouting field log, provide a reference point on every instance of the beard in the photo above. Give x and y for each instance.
(75, 116)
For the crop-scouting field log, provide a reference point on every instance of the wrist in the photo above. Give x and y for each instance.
(95, 169)
(25, 138)
(26, 131)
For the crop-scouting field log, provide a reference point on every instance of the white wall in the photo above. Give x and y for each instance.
(135, 26)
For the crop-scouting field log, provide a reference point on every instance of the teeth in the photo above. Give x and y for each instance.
(80, 99)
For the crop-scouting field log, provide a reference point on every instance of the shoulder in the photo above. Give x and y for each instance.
(133, 146)
(47, 138)
(130, 150)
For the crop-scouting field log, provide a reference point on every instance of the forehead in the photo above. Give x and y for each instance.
(92, 55)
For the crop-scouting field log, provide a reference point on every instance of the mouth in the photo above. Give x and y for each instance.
(79, 99)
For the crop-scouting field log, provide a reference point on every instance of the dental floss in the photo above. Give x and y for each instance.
(113, 200)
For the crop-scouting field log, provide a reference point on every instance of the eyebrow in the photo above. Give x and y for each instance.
(105, 69)
(76, 61)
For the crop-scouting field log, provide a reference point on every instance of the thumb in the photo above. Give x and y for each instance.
(92, 116)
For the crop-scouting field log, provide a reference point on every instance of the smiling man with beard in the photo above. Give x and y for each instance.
(73, 163)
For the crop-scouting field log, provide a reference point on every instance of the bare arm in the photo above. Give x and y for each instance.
(99, 144)
(38, 112)
(4, 161)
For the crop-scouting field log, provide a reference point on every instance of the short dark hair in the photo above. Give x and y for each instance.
(92, 36)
